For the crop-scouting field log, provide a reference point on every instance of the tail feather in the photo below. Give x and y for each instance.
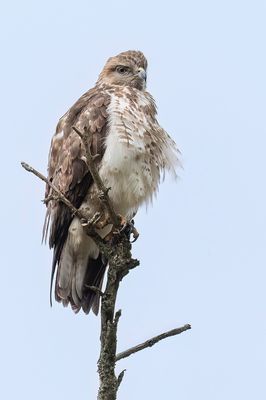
(78, 265)
(94, 277)
(74, 278)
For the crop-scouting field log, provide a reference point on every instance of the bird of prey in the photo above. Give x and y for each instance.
(134, 152)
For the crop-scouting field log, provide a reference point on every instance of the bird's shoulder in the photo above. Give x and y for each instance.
(89, 111)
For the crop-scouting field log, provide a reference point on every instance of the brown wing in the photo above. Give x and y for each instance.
(66, 168)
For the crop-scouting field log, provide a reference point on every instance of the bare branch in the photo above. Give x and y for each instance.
(120, 377)
(117, 317)
(120, 263)
(85, 222)
(103, 191)
(60, 195)
(95, 289)
(151, 342)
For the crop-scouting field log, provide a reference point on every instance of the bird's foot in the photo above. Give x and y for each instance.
(134, 232)
(126, 227)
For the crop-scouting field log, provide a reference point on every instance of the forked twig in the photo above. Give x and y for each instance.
(60, 195)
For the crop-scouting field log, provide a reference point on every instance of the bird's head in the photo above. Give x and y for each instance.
(126, 69)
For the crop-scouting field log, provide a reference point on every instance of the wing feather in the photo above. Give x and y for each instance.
(66, 167)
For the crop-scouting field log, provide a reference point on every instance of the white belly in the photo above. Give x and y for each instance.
(137, 149)
(132, 177)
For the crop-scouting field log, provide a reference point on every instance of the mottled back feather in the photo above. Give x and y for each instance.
(67, 168)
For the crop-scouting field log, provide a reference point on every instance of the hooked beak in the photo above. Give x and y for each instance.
(142, 74)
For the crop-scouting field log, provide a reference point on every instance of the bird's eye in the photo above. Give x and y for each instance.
(121, 69)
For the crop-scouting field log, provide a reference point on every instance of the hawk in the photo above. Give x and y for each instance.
(134, 152)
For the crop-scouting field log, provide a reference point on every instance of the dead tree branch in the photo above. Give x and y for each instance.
(60, 196)
(120, 262)
(86, 138)
(151, 342)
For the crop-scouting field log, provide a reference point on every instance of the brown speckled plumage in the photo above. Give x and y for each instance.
(134, 152)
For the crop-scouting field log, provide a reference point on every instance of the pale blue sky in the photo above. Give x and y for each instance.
(202, 244)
